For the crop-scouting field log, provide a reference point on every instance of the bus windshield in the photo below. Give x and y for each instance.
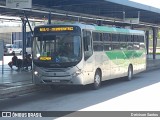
(62, 50)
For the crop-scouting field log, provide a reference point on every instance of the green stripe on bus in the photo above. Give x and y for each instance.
(124, 54)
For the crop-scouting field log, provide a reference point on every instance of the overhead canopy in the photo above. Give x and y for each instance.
(107, 9)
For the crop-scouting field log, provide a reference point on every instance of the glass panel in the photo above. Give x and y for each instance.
(115, 46)
(97, 46)
(57, 48)
(96, 36)
(130, 46)
(136, 46)
(123, 46)
(107, 47)
(106, 37)
(87, 44)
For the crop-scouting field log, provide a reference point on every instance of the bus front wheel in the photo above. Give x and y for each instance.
(97, 80)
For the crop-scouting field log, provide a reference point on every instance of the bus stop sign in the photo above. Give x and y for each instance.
(19, 3)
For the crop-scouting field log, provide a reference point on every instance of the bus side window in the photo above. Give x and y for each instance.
(87, 44)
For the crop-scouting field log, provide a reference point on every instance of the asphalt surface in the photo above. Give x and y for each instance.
(140, 94)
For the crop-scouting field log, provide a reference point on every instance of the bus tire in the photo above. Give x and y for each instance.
(130, 73)
(97, 80)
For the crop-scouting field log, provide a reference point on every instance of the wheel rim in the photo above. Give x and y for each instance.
(130, 73)
(97, 80)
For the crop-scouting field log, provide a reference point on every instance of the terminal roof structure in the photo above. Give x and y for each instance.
(100, 9)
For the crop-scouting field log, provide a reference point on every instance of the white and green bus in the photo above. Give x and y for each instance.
(80, 54)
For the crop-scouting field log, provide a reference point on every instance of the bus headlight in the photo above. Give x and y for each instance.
(77, 73)
(38, 55)
(36, 73)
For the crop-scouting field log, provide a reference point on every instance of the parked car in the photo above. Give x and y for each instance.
(10, 48)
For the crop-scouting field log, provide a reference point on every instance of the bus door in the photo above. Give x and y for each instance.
(88, 54)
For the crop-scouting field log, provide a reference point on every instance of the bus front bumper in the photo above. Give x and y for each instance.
(58, 80)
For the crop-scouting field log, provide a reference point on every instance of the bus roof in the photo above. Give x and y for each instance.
(118, 30)
(106, 29)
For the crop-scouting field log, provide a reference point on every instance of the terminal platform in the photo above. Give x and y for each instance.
(15, 82)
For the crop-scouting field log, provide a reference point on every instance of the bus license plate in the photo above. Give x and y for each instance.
(56, 81)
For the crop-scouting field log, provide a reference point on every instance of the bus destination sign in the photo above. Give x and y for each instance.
(55, 29)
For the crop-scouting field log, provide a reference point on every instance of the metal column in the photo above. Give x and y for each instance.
(24, 36)
(49, 18)
(155, 32)
(147, 42)
(28, 22)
